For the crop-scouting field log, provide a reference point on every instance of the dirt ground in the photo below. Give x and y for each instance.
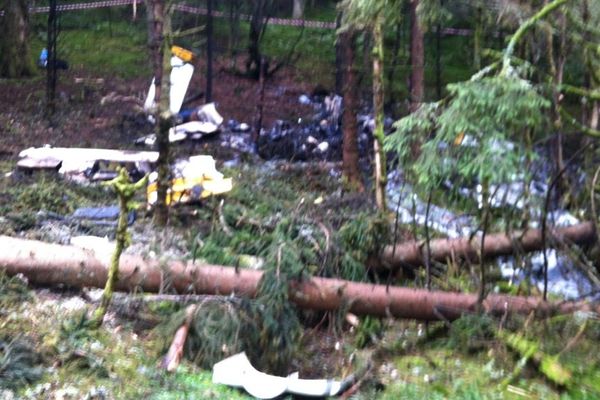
(95, 110)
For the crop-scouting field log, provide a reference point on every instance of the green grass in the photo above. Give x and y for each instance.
(117, 48)
(109, 43)
(123, 54)
(436, 372)
(77, 360)
(189, 383)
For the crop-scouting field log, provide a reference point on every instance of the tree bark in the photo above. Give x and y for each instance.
(159, 35)
(499, 244)
(51, 73)
(15, 60)
(477, 37)
(256, 32)
(53, 264)
(350, 156)
(173, 357)
(378, 99)
(209, 50)
(234, 30)
(417, 58)
(298, 11)
(339, 57)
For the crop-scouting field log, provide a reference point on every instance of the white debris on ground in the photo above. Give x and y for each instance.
(237, 371)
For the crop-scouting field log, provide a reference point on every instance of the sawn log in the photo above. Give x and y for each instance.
(52, 264)
(495, 245)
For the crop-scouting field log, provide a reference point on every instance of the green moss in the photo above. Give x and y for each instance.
(190, 383)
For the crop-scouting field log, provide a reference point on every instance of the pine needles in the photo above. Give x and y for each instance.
(294, 238)
(19, 363)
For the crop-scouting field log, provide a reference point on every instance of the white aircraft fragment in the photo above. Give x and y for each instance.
(237, 371)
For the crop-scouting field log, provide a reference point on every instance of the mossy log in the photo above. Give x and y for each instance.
(52, 264)
(495, 245)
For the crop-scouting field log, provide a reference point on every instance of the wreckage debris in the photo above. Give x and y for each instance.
(237, 371)
(202, 121)
(86, 164)
(181, 75)
(101, 215)
(319, 138)
(195, 178)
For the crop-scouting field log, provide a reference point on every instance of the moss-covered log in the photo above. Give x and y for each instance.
(52, 264)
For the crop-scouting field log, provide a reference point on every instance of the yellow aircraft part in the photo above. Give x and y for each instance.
(182, 53)
(184, 190)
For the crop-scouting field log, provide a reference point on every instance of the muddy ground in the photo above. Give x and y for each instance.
(96, 110)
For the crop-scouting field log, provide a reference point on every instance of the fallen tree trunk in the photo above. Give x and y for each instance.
(53, 264)
(499, 244)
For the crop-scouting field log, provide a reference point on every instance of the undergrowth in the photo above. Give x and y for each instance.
(23, 198)
(276, 219)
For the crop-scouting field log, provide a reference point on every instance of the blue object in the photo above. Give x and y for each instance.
(185, 114)
(43, 62)
(102, 215)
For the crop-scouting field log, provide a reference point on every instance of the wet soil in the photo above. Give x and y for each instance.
(95, 110)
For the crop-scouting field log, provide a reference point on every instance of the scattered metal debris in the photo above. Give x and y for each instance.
(85, 164)
(206, 121)
(181, 75)
(195, 178)
(237, 371)
(101, 215)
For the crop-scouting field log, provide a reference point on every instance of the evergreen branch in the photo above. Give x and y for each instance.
(573, 121)
(485, 71)
(510, 49)
(187, 32)
(579, 91)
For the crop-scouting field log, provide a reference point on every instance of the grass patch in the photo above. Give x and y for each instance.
(189, 383)
(123, 53)
(21, 200)
(88, 42)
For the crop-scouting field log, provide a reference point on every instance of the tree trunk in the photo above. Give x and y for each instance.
(477, 38)
(417, 58)
(209, 50)
(15, 60)
(298, 12)
(234, 30)
(159, 36)
(260, 105)
(339, 57)
(53, 264)
(438, 58)
(378, 99)
(257, 28)
(350, 155)
(51, 41)
(499, 244)
(394, 64)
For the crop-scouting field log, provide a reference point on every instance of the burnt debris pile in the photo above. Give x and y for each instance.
(319, 138)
